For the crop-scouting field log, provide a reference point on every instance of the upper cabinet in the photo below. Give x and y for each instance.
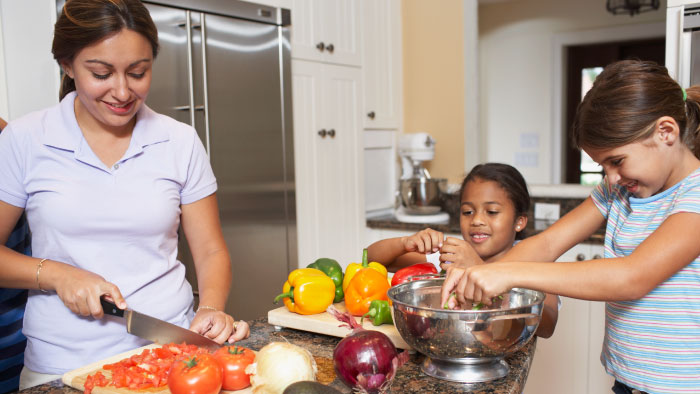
(327, 31)
(328, 161)
(381, 69)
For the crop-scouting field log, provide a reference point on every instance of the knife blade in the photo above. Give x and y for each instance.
(156, 330)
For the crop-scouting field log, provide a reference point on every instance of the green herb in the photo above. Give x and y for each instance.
(446, 306)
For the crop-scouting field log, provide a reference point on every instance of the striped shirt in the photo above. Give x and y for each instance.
(652, 344)
(12, 301)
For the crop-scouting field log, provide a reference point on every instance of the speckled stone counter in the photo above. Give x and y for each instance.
(409, 379)
(451, 206)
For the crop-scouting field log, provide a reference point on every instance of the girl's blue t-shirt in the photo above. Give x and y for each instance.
(653, 343)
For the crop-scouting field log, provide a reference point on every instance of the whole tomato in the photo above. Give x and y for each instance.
(199, 374)
(234, 359)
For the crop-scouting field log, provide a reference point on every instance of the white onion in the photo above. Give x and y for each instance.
(279, 364)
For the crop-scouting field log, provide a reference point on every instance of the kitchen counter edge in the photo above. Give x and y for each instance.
(409, 379)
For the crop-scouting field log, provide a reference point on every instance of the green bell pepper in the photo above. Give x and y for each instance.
(334, 271)
(379, 313)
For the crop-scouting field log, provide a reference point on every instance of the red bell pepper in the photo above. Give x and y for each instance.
(403, 274)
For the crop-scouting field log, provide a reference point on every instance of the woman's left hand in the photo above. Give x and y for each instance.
(219, 326)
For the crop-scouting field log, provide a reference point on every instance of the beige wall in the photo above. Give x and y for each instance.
(433, 72)
(517, 76)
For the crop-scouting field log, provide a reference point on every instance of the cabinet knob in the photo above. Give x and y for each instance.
(597, 256)
(331, 133)
(580, 257)
(323, 133)
(330, 48)
(321, 46)
(371, 115)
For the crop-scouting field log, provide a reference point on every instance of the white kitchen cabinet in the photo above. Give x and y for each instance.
(569, 361)
(380, 175)
(381, 68)
(327, 31)
(328, 160)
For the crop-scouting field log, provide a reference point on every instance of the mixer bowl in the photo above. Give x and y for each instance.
(422, 196)
(464, 345)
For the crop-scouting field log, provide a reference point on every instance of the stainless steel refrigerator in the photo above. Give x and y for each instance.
(224, 67)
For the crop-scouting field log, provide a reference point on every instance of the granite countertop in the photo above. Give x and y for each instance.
(409, 379)
(451, 206)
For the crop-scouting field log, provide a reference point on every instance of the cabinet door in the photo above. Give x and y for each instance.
(326, 31)
(561, 362)
(381, 43)
(598, 380)
(306, 30)
(380, 177)
(330, 217)
(570, 359)
(340, 24)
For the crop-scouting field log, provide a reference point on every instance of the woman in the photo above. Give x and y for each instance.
(105, 183)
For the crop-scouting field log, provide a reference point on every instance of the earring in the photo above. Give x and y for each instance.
(517, 227)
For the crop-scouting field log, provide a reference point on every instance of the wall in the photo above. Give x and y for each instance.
(516, 74)
(433, 80)
(30, 77)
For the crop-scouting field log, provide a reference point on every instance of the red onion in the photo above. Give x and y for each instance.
(365, 360)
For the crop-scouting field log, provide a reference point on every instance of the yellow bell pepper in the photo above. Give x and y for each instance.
(307, 291)
(354, 267)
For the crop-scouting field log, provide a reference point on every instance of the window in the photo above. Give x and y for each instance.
(591, 172)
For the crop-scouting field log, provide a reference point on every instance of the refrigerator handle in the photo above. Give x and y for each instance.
(190, 71)
(205, 82)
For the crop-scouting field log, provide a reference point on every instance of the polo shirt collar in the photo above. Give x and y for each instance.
(64, 133)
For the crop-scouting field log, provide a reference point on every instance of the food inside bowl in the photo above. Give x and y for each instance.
(496, 303)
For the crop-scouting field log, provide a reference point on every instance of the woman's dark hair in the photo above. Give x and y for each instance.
(508, 178)
(625, 102)
(85, 22)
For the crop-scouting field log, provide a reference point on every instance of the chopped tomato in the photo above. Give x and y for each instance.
(143, 370)
(95, 380)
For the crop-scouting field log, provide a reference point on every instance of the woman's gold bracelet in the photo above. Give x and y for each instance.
(38, 271)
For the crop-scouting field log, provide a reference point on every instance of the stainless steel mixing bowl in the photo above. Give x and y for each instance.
(422, 196)
(464, 345)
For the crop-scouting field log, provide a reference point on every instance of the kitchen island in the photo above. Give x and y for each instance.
(409, 379)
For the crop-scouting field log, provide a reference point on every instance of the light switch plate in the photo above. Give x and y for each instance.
(546, 211)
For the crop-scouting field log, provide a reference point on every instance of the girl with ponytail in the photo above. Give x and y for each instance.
(642, 127)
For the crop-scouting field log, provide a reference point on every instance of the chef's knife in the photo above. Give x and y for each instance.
(157, 330)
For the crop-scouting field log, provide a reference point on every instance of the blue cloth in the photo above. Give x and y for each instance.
(12, 302)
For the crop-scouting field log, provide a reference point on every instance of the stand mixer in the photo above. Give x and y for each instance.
(420, 195)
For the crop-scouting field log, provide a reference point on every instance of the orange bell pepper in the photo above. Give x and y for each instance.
(352, 269)
(365, 286)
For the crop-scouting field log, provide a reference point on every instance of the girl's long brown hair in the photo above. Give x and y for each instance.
(626, 100)
(85, 22)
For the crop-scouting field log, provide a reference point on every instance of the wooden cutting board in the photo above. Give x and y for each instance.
(76, 378)
(324, 323)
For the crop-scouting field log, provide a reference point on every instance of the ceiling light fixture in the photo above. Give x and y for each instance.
(631, 6)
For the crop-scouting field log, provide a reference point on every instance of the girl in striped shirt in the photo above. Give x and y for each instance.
(642, 127)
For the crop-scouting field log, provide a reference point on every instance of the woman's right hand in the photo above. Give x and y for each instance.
(425, 241)
(80, 290)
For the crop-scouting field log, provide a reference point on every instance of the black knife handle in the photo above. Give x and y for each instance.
(111, 309)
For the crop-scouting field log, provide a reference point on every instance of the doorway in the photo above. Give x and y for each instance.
(584, 62)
